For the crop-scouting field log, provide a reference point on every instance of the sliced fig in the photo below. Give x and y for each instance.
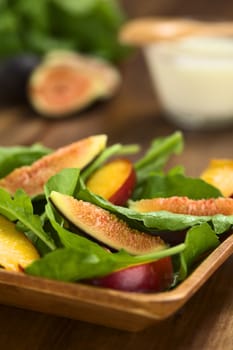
(76, 155)
(184, 205)
(16, 251)
(104, 226)
(66, 82)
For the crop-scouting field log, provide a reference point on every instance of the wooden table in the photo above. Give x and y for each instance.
(133, 115)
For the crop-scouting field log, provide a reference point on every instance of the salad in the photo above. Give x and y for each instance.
(86, 213)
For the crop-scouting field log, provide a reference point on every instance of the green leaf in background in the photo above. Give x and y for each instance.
(17, 156)
(163, 186)
(199, 240)
(88, 26)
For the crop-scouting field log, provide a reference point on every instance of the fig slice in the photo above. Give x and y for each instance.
(66, 82)
(75, 155)
(104, 226)
(16, 251)
(184, 205)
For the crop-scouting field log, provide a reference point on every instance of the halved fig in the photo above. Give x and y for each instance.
(184, 205)
(66, 82)
(76, 155)
(104, 226)
(16, 251)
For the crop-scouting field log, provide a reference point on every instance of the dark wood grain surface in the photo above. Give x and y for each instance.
(133, 115)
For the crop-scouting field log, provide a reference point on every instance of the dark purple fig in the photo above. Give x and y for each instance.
(14, 74)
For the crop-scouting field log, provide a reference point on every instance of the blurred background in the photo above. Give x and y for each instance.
(46, 72)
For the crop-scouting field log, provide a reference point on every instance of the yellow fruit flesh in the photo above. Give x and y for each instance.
(220, 174)
(105, 181)
(16, 251)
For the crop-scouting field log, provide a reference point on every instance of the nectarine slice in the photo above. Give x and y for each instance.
(156, 276)
(105, 226)
(114, 181)
(219, 173)
(76, 155)
(184, 205)
(16, 251)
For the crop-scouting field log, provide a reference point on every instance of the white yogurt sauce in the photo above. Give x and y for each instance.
(194, 80)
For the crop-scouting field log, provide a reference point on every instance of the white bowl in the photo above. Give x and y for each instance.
(194, 80)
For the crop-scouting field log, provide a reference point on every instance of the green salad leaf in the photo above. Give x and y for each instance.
(115, 150)
(155, 222)
(20, 208)
(163, 186)
(156, 157)
(199, 240)
(82, 259)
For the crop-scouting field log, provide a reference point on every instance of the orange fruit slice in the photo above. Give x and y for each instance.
(219, 173)
(16, 251)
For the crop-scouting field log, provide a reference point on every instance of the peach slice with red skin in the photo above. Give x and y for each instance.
(114, 181)
(184, 205)
(104, 226)
(16, 251)
(75, 155)
(156, 276)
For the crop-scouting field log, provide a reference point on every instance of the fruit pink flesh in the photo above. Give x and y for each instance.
(184, 205)
(104, 226)
(76, 155)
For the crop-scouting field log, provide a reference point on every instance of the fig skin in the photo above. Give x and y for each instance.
(68, 82)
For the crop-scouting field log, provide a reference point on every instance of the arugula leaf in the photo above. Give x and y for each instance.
(156, 157)
(157, 221)
(161, 148)
(17, 156)
(20, 208)
(114, 150)
(157, 186)
(152, 222)
(199, 240)
(66, 182)
(82, 258)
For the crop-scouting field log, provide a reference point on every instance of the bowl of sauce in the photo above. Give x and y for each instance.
(193, 79)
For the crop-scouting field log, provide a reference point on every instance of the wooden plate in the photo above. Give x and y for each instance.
(123, 310)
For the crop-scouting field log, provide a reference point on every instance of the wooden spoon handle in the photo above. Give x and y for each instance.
(148, 30)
